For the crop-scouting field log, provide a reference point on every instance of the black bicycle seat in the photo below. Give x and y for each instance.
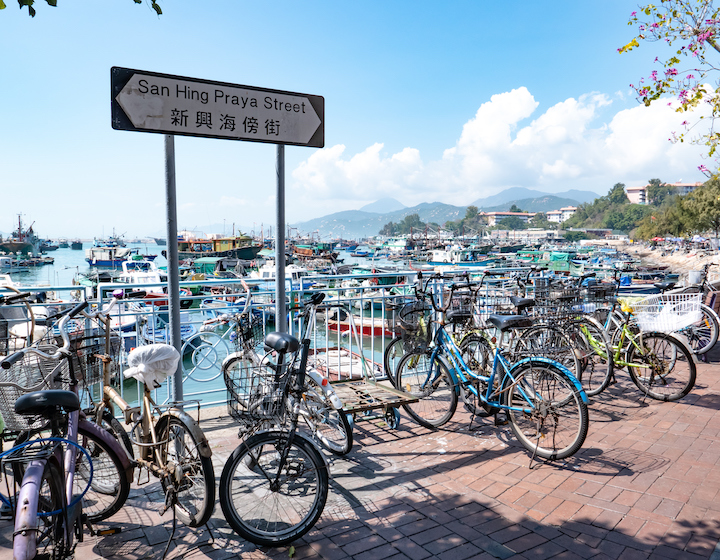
(45, 403)
(665, 285)
(505, 322)
(521, 302)
(282, 342)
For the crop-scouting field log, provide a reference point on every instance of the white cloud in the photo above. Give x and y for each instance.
(567, 146)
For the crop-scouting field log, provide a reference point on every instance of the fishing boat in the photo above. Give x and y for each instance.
(105, 254)
(156, 328)
(236, 246)
(11, 264)
(77, 245)
(22, 240)
(473, 255)
(294, 274)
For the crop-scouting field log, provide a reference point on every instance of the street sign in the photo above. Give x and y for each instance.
(151, 102)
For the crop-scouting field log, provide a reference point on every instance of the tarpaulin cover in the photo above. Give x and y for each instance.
(151, 364)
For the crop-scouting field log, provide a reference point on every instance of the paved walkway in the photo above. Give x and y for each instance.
(645, 485)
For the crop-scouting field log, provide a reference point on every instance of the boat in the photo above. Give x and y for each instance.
(341, 364)
(157, 328)
(21, 240)
(463, 256)
(63, 244)
(76, 245)
(339, 320)
(11, 264)
(236, 246)
(48, 245)
(294, 274)
(104, 254)
(160, 240)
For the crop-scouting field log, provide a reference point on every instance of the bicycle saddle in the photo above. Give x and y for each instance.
(521, 302)
(665, 285)
(45, 403)
(505, 322)
(282, 342)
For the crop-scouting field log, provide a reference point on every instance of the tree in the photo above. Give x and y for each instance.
(617, 194)
(53, 3)
(693, 27)
(471, 213)
(514, 208)
(704, 206)
(657, 192)
(512, 222)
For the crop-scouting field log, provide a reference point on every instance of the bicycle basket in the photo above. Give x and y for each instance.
(31, 373)
(411, 323)
(250, 330)
(667, 312)
(461, 308)
(254, 397)
(85, 351)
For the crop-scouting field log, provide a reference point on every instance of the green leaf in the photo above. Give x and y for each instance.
(138, 1)
(291, 551)
(2, 5)
(156, 7)
(52, 3)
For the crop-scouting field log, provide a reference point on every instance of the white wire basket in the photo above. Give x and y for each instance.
(667, 312)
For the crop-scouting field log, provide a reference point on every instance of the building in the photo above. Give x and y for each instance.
(638, 195)
(561, 215)
(495, 217)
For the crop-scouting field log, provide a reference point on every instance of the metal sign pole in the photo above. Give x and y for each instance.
(173, 269)
(280, 313)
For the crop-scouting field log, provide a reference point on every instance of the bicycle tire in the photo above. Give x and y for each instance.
(437, 401)
(50, 540)
(195, 491)
(478, 356)
(258, 509)
(391, 358)
(671, 371)
(545, 405)
(329, 426)
(548, 342)
(594, 352)
(113, 425)
(703, 335)
(110, 486)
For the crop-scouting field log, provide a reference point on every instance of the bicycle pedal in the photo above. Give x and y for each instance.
(499, 422)
(106, 532)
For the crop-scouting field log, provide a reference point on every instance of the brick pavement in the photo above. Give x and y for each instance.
(645, 485)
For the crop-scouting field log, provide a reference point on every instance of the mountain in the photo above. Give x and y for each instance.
(369, 220)
(357, 224)
(383, 206)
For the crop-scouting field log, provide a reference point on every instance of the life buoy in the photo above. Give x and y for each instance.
(374, 281)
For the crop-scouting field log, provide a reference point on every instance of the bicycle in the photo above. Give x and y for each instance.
(320, 407)
(171, 445)
(543, 400)
(274, 486)
(39, 394)
(657, 359)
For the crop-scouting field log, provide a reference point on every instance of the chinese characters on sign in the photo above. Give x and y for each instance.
(152, 102)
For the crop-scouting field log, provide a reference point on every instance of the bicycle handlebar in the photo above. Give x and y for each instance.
(65, 316)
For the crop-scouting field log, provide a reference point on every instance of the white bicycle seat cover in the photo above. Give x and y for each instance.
(152, 364)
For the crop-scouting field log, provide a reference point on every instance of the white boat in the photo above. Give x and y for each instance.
(10, 264)
(293, 274)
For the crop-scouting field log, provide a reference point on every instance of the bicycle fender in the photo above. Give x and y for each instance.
(25, 538)
(229, 357)
(327, 388)
(558, 365)
(112, 443)
(194, 427)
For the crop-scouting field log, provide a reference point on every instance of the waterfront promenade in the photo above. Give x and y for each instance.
(645, 485)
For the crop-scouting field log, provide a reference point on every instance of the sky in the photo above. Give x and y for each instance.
(425, 101)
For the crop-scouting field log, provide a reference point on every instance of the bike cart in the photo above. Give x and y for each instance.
(353, 377)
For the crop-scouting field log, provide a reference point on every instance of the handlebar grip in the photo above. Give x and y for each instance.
(8, 361)
(317, 298)
(77, 309)
(493, 273)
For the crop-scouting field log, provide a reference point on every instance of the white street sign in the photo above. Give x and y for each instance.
(151, 102)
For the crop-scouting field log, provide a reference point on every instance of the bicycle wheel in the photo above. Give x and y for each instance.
(194, 476)
(546, 410)
(110, 487)
(50, 535)
(548, 342)
(662, 367)
(594, 353)
(391, 358)
(328, 425)
(432, 384)
(703, 335)
(268, 500)
(478, 356)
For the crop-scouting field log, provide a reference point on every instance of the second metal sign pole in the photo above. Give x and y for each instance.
(280, 313)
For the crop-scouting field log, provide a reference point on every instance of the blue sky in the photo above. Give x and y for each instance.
(424, 101)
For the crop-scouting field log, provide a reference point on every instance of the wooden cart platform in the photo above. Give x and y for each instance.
(361, 396)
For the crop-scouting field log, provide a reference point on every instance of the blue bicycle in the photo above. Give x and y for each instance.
(545, 404)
